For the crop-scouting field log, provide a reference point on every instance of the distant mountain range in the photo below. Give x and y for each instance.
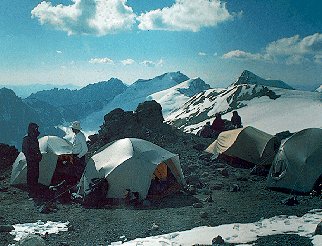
(186, 103)
(143, 90)
(24, 91)
(15, 116)
(76, 104)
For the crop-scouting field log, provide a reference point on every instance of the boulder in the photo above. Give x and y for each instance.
(318, 230)
(217, 241)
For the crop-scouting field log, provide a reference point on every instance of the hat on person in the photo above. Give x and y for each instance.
(76, 125)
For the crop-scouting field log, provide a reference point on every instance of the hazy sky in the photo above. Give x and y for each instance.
(86, 41)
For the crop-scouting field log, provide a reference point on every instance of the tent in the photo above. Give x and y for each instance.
(298, 163)
(130, 164)
(248, 143)
(52, 148)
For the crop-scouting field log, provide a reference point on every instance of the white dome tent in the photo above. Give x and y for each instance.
(51, 148)
(129, 164)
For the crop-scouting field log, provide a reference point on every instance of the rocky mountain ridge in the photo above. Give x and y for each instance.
(15, 116)
(75, 104)
(224, 101)
(248, 77)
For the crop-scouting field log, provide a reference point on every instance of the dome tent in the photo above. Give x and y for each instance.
(298, 163)
(51, 148)
(248, 143)
(129, 164)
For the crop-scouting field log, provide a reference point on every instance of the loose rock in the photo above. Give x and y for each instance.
(318, 230)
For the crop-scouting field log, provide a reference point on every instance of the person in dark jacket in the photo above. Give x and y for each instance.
(236, 120)
(30, 148)
(206, 131)
(218, 125)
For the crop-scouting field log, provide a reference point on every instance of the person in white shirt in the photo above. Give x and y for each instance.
(79, 144)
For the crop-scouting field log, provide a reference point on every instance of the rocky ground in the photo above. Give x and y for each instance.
(219, 193)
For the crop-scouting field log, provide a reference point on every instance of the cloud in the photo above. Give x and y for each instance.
(148, 63)
(104, 60)
(97, 17)
(185, 15)
(127, 62)
(202, 54)
(152, 64)
(292, 50)
(242, 55)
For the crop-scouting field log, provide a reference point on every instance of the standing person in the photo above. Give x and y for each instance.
(236, 120)
(30, 148)
(79, 147)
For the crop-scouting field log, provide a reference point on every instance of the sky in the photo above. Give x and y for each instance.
(86, 41)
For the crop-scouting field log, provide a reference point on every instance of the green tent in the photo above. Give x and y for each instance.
(298, 163)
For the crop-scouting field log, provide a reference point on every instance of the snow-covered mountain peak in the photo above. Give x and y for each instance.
(176, 77)
(174, 97)
(270, 109)
(248, 77)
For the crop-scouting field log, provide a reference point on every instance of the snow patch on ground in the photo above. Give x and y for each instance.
(238, 233)
(41, 228)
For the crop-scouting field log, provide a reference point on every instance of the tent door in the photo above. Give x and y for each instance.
(163, 182)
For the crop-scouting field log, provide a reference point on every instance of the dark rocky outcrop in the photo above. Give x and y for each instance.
(145, 122)
(8, 155)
